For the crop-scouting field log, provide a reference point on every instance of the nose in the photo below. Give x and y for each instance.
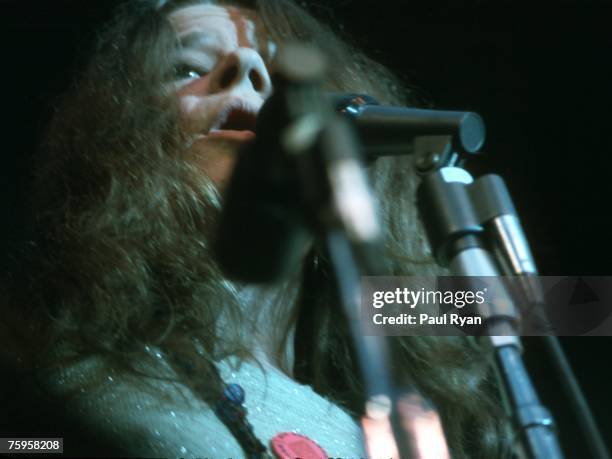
(242, 69)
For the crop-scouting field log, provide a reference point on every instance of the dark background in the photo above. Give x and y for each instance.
(539, 75)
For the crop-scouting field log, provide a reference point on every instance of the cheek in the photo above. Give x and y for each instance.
(191, 109)
(194, 105)
(196, 86)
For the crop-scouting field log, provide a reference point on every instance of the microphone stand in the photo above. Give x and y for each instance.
(443, 139)
(463, 220)
(341, 209)
(393, 415)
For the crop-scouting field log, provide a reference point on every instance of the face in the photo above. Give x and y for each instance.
(222, 79)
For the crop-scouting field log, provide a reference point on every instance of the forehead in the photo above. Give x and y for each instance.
(232, 25)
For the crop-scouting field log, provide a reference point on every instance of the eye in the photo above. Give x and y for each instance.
(188, 71)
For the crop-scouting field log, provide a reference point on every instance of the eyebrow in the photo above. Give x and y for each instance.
(201, 38)
(193, 39)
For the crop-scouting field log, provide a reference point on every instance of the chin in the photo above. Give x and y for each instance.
(216, 158)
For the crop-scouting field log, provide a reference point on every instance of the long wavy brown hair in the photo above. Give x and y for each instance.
(119, 256)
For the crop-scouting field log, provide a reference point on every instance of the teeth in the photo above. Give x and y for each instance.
(236, 116)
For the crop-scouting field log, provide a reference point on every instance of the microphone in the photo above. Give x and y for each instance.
(261, 229)
(265, 228)
(387, 130)
(263, 232)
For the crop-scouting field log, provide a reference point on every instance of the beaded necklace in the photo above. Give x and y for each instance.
(230, 410)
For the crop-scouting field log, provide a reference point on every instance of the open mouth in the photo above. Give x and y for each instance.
(239, 120)
(235, 123)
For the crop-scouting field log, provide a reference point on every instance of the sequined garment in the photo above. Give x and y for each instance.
(141, 424)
